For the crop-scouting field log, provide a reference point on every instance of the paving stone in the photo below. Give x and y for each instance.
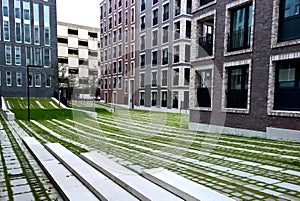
(21, 189)
(265, 179)
(289, 186)
(271, 192)
(292, 172)
(24, 197)
(18, 182)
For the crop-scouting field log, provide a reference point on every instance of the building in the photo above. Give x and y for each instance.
(118, 51)
(78, 60)
(28, 38)
(163, 53)
(245, 67)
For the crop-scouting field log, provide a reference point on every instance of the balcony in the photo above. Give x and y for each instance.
(203, 2)
(205, 46)
(143, 6)
(177, 10)
(166, 16)
(155, 21)
(239, 39)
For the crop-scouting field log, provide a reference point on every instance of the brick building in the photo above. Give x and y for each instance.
(28, 37)
(117, 51)
(246, 73)
(78, 60)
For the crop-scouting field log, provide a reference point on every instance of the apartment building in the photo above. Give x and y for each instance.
(78, 60)
(28, 39)
(118, 51)
(163, 53)
(246, 73)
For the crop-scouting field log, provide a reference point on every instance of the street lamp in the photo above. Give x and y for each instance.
(29, 79)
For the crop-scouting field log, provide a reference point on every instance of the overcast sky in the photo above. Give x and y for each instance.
(79, 12)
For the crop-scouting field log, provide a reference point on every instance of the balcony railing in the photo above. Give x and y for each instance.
(203, 2)
(239, 39)
(177, 10)
(205, 46)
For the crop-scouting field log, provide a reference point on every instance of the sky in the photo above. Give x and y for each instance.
(79, 12)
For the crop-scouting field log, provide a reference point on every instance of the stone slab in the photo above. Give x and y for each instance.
(265, 179)
(183, 187)
(290, 186)
(69, 186)
(129, 180)
(99, 184)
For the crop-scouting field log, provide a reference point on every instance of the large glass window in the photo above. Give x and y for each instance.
(237, 88)
(18, 32)
(19, 79)
(28, 56)
(46, 57)
(18, 55)
(26, 10)
(17, 9)
(166, 12)
(36, 24)
(155, 17)
(8, 54)
(164, 80)
(240, 32)
(203, 85)
(6, 31)
(176, 77)
(5, 8)
(38, 79)
(27, 33)
(46, 25)
(8, 78)
(165, 56)
(37, 57)
(48, 80)
(287, 85)
(289, 20)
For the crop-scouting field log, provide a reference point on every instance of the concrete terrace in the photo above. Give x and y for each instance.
(242, 168)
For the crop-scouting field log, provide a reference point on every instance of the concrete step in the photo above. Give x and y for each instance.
(129, 180)
(183, 187)
(69, 187)
(104, 188)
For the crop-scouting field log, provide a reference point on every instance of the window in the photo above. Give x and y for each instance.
(17, 9)
(120, 17)
(115, 20)
(164, 98)
(287, 85)
(18, 32)
(46, 57)
(132, 51)
(177, 7)
(19, 79)
(154, 58)
(143, 5)
(176, 77)
(189, 6)
(188, 29)
(205, 41)
(154, 79)
(142, 80)
(143, 60)
(143, 22)
(126, 18)
(132, 69)
(48, 80)
(27, 33)
(5, 8)
(28, 55)
(115, 67)
(166, 12)
(110, 23)
(126, 36)
(37, 57)
(203, 2)
(203, 85)
(120, 66)
(142, 98)
(165, 56)
(237, 87)
(8, 78)
(154, 98)
(120, 50)
(120, 82)
(143, 42)
(186, 76)
(126, 87)
(165, 34)
(289, 20)
(37, 79)
(175, 99)
(154, 38)
(155, 17)
(132, 15)
(36, 17)
(187, 53)
(120, 34)
(164, 81)
(240, 30)
(109, 6)
(8, 54)
(6, 30)
(126, 70)
(18, 55)
(30, 79)
(177, 30)
(176, 54)
(132, 33)
(46, 25)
